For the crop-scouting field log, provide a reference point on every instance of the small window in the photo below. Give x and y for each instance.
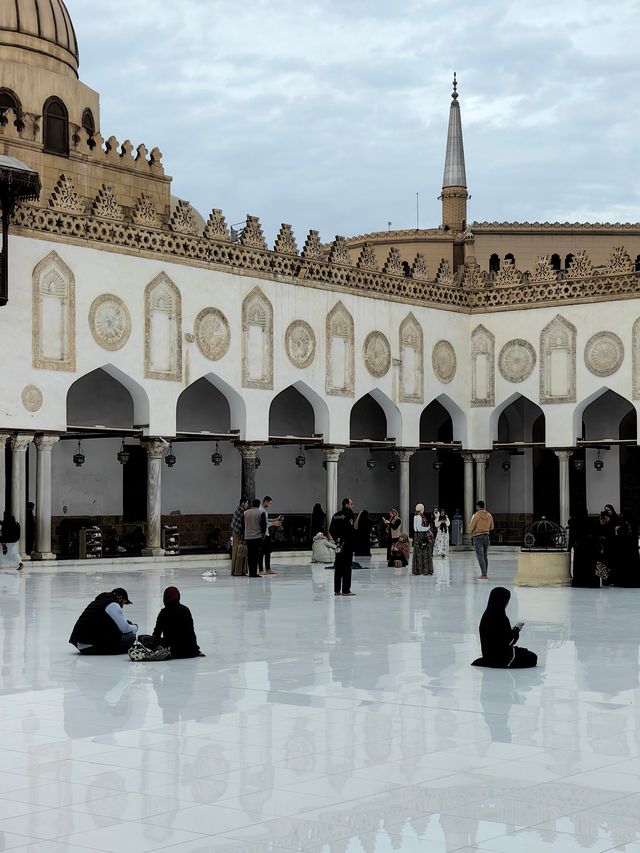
(88, 122)
(56, 127)
(555, 262)
(510, 257)
(494, 263)
(568, 261)
(406, 269)
(9, 101)
(637, 263)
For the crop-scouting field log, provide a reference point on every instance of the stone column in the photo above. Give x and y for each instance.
(44, 446)
(405, 457)
(154, 448)
(331, 457)
(481, 477)
(469, 503)
(4, 437)
(248, 485)
(563, 459)
(19, 445)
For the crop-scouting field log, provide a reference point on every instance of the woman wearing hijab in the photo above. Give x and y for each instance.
(174, 627)
(581, 543)
(393, 525)
(9, 539)
(422, 544)
(362, 537)
(498, 639)
(441, 545)
(318, 516)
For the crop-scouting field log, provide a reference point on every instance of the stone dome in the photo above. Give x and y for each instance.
(42, 27)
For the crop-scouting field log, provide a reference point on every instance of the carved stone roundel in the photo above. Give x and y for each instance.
(516, 360)
(32, 398)
(212, 333)
(444, 361)
(377, 354)
(300, 343)
(604, 353)
(110, 321)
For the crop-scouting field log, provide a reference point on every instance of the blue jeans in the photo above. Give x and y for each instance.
(481, 544)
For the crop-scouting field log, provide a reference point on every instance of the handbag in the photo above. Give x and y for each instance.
(140, 652)
(426, 537)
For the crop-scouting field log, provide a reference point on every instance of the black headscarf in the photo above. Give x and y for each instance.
(497, 637)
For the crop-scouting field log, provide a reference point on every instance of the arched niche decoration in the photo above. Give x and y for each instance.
(54, 315)
(340, 375)
(411, 361)
(635, 359)
(483, 367)
(558, 362)
(257, 341)
(163, 330)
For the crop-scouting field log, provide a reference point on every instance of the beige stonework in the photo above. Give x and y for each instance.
(443, 361)
(162, 340)
(257, 341)
(411, 347)
(54, 315)
(558, 362)
(212, 333)
(109, 321)
(376, 352)
(300, 343)
(31, 398)
(340, 366)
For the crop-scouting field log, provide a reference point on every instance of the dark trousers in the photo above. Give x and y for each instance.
(342, 572)
(253, 556)
(481, 544)
(126, 641)
(265, 554)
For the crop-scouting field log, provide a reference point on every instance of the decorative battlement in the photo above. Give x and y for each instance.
(527, 227)
(109, 224)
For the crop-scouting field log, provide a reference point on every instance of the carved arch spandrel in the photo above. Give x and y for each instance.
(257, 341)
(411, 361)
(558, 362)
(162, 330)
(340, 354)
(54, 315)
(483, 367)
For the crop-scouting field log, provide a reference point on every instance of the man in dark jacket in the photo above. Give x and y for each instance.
(102, 628)
(341, 531)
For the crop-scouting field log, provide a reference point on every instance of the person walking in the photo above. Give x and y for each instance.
(342, 531)
(255, 528)
(422, 563)
(480, 527)
(441, 545)
(498, 639)
(238, 547)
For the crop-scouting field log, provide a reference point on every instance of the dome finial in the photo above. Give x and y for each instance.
(454, 94)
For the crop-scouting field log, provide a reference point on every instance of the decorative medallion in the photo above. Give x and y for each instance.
(604, 353)
(32, 398)
(109, 321)
(212, 333)
(516, 360)
(300, 343)
(444, 362)
(377, 354)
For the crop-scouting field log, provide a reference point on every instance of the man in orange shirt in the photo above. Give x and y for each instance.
(480, 527)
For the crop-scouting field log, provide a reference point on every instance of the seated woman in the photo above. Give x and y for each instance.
(322, 550)
(498, 639)
(400, 551)
(174, 627)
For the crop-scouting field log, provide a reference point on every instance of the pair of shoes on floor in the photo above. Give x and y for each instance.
(482, 578)
(210, 573)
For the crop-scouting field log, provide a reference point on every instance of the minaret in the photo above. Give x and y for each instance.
(454, 184)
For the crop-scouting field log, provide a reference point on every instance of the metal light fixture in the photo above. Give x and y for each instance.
(78, 456)
(170, 458)
(371, 462)
(598, 464)
(216, 456)
(301, 458)
(506, 465)
(578, 464)
(123, 455)
(392, 466)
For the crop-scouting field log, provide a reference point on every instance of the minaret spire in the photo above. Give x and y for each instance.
(454, 183)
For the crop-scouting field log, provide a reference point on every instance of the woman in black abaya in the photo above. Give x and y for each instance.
(498, 639)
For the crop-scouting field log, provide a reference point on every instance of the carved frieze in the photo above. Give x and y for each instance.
(443, 361)
(604, 353)
(286, 241)
(65, 198)
(109, 321)
(212, 333)
(376, 352)
(163, 330)
(340, 352)
(517, 360)
(105, 205)
(300, 343)
(145, 213)
(54, 315)
(257, 341)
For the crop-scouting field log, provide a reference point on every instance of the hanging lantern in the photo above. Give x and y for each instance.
(392, 466)
(371, 462)
(598, 464)
(216, 456)
(578, 464)
(258, 462)
(301, 458)
(437, 465)
(170, 458)
(506, 465)
(78, 456)
(123, 455)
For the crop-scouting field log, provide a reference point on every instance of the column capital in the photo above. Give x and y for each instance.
(45, 442)
(248, 451)
(332, 454)
(404, 455)
(4, 437)
(467, 455)
(154, 447)
(563, 454)
(481, 457)
(20, 443)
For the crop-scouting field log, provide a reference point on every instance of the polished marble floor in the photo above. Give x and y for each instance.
(316, 723)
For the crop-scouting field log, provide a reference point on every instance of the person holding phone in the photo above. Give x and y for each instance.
(498, 639)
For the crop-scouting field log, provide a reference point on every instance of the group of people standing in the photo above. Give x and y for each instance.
(605, 549)
(251, 531)
(430, 538)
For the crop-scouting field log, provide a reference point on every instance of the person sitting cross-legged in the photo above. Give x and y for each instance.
(102, 628)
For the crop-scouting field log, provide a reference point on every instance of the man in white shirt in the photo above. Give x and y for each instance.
(102, 628)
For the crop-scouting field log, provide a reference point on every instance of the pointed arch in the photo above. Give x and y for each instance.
(558, 362)
(106, 396)
(237, 409)
(483, 367)
(340, 366)
(257, 341)
(457, 415)
(163, 330)
(320, 408)
(304, 417)
(391, 413)
(583, 405)
(54, 315)
(494, 418)
(411, 360)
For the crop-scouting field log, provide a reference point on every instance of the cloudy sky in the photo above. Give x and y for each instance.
(332, 114)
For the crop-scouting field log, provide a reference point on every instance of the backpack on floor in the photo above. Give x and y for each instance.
(141, 652)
